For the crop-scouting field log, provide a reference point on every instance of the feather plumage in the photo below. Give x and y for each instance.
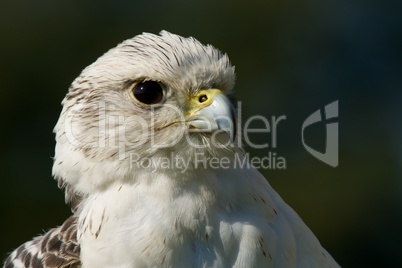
(179, 213)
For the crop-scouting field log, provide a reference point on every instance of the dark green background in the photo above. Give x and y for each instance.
(291, 57)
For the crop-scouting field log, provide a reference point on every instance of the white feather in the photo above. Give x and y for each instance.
(132, 216)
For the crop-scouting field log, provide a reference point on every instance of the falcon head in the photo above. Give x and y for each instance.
(151, 96)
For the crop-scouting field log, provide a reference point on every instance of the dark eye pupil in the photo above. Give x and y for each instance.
(148, 92)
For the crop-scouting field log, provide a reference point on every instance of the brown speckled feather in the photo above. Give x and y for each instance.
(57, 248)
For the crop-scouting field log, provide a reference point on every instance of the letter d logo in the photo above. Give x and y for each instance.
(330, 156)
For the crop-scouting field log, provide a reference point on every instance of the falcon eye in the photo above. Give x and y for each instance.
(147, 92)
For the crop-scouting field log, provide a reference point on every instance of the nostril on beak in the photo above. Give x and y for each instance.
(202, 98)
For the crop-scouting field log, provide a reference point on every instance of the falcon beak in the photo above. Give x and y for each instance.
(212, 111)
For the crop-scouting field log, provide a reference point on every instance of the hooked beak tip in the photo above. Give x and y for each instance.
(219, 115)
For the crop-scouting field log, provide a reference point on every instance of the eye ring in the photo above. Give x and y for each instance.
(147, 92)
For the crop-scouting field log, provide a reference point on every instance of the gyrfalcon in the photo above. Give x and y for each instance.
(148, 150)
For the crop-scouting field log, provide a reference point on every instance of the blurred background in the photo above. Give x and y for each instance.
(291, 58)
